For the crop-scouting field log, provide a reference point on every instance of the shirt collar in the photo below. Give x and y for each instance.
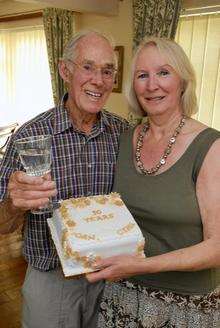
(105, 118)
(62, 120)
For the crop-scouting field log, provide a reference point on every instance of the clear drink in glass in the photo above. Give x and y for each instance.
(35, 155)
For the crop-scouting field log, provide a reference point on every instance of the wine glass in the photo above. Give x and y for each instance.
(35, 155)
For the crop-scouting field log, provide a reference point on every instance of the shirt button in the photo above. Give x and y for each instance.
(89, 166)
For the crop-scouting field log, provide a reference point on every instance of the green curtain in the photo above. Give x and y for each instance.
(155, 17)
(58, 27)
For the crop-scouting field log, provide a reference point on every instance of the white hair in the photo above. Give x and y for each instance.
(70, 50)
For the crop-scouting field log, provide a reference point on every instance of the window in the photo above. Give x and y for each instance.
(199, 37)
(24, 74)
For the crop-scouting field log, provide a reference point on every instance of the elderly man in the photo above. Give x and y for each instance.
(84, 146)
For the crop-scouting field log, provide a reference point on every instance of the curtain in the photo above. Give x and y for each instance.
(199, 37)
(155, 17)
(24, 74)
(58, 26)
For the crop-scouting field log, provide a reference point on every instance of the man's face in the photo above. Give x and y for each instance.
(90, 82)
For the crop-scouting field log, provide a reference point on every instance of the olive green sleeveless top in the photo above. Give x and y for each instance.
(165, 207)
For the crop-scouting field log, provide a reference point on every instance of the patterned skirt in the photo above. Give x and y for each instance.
(125, 305)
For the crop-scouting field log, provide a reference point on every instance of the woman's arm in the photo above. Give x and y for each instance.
(198, 257)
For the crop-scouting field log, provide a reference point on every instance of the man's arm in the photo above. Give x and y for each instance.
(10, 217)
(24, 193)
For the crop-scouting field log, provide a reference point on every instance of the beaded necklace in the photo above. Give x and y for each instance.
(166, 152)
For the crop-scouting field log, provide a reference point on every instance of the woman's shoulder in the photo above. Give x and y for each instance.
(194, 127)
(196, 130)
(204, 138)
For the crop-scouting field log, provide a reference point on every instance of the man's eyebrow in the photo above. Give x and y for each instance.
(87, 61)
(92, 62)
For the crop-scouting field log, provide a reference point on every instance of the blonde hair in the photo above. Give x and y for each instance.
(179, 61)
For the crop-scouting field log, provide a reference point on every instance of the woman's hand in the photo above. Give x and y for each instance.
(117, 267)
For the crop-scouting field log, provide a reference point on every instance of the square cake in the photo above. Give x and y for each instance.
(88, 228)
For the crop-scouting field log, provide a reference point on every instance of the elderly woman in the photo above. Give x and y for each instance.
(168, 174)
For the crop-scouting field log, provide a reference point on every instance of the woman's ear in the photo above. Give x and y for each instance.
(64, 71)
(183, 87)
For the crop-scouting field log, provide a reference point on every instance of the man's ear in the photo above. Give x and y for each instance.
(64, 71)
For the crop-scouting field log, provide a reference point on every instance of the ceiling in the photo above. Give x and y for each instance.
(106, 7)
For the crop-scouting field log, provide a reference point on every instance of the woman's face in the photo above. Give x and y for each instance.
(156, 84)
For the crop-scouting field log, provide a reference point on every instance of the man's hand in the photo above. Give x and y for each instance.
(29, 192)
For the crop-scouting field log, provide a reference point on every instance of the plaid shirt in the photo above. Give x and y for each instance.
(82, 165)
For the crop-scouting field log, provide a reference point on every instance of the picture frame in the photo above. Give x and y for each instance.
(119, 50)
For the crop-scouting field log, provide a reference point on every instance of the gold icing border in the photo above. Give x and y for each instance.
(84, 260)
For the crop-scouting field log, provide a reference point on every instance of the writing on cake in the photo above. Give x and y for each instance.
(98, 216)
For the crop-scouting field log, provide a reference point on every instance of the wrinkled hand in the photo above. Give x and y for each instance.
(28, 192)
(117, 267)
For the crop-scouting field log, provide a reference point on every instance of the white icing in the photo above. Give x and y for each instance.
(115, 233)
